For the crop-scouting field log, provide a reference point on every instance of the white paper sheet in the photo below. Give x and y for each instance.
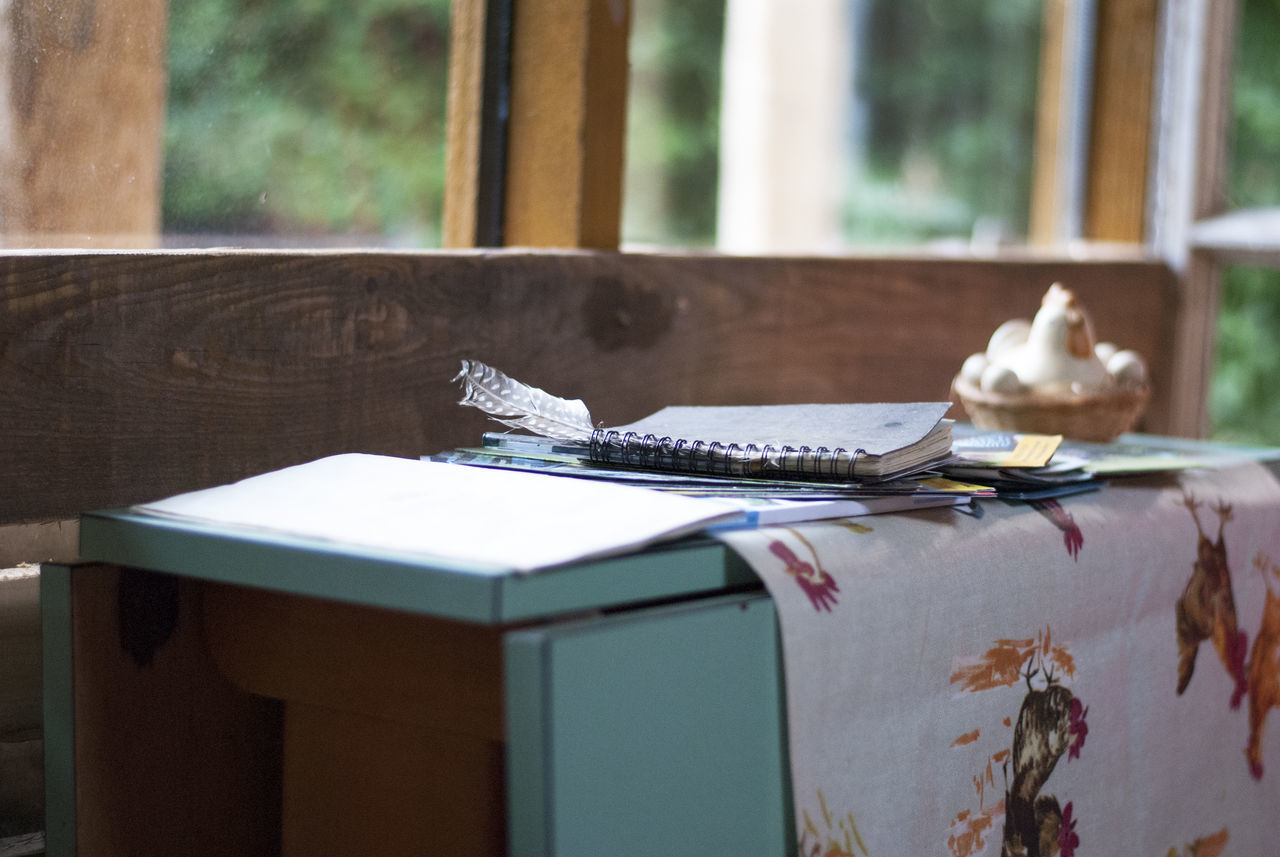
(490, 521)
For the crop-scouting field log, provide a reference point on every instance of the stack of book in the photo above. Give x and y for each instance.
(787, 463)
(777, 463)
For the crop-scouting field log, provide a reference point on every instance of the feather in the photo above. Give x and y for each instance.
(520, 406)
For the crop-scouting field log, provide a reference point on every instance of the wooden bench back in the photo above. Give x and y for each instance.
(128, 377)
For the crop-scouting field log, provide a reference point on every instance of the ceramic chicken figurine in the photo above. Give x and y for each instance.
(1054, 354)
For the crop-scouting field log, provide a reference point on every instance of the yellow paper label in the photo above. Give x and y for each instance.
(1033, 450)
(940, 483)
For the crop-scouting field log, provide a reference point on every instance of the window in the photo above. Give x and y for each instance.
(818, 126)
(1222, 228)
(295, 122)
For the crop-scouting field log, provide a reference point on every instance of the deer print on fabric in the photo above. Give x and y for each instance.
(1207, 608)
(1264, 665)
(1051, 722)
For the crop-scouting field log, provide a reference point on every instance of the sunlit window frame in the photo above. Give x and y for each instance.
(561, 176)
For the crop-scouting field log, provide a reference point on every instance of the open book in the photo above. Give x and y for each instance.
(469, 519)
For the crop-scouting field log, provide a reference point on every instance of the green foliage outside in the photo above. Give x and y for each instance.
(947, 94)
(673, 123)
(940, 142)
(303, 120)
(1243, 401)
(307, 118)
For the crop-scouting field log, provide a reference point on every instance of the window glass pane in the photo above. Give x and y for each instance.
(305, 122)
(1243, 405)
(81, 110)
(818, 126)
(1253, 173)
(944, 119)
(673, 131)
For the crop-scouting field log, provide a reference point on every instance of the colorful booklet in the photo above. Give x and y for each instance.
(769, 511)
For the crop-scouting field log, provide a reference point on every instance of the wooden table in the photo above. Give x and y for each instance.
(218, 692)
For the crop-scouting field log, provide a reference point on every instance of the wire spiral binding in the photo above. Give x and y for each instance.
(654, 452)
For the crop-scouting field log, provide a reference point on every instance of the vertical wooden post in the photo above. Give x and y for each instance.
(81, 122)
(1053, 178)
(1193, 346)
(1120, 139)
(567, 121)
(479, 100)
(1194, 172)
(1093, 126)
(462, 139)
(783, 116)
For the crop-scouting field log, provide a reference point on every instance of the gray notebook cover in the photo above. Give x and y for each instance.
(874, 428)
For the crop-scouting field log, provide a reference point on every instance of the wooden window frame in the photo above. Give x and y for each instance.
(128, 375)
(1193, 227)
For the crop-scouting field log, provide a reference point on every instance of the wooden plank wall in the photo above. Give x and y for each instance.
(169, 757)
(21, 792)
(127, 377)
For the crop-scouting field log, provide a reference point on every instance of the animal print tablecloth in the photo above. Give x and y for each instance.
(1088, 676)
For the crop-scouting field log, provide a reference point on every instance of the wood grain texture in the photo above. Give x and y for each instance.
(1193, 345)
(1046, 193)
(357, 785)
(21, 782)
(1214, 116)
(129, 377)
(170, 758)
(434, 673)
(45, 541)
(19, 657)
(1120, 139)
(462, 145)
(569, 77)
(393, 722)
(80, 160)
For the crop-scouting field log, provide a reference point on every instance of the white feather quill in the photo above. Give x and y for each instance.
(520, 406)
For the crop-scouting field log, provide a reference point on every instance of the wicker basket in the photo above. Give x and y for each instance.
(1099, 417)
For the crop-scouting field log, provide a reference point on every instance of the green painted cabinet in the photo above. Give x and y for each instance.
(629, 706)
(656, 731)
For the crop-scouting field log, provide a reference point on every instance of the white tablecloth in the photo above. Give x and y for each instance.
(1073, 677)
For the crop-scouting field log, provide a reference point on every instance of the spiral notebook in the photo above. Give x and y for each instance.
(840, 441)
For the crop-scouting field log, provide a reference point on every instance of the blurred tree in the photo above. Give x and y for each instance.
(1254, 165)
(673, 124)
(307, 118)
(1243, 405)
(946, 100)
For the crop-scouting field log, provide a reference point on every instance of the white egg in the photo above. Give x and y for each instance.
(1105, 351)
(1128, 369)
(974, 366)
(1002, 379)
(1006, 336)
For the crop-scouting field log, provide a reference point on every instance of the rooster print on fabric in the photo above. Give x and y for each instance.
(1264, 665)
(1206, 846)
(1072, 538)
(1207, 609)
(838, 836)
(1051, 722)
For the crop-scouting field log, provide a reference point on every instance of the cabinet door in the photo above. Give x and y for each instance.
(655, 731)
